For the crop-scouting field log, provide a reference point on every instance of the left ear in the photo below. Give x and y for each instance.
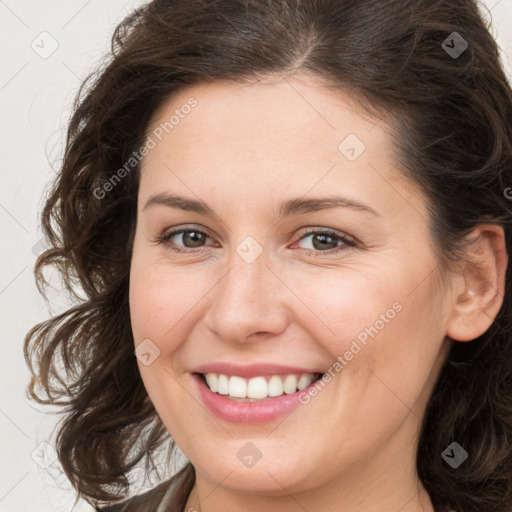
(480, 287)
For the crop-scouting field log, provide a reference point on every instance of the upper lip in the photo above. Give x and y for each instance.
(251, 370)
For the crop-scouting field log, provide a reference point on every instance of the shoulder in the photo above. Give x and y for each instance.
(170, 495)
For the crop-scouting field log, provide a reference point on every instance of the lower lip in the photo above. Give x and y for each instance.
(260, 411)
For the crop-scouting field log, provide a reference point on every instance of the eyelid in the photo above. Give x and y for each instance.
(321, 229)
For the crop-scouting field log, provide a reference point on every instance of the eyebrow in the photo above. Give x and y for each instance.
(288, 208)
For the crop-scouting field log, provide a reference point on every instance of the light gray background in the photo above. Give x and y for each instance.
(36, 92)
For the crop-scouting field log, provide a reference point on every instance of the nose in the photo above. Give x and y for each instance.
(249, 302)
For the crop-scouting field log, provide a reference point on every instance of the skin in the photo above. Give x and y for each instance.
(243, 150)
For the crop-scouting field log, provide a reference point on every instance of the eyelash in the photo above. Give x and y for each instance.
(347, 242)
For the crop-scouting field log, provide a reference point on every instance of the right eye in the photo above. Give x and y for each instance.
(192, 236)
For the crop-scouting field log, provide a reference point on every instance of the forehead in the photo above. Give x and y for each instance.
(297, 109)
(267, 139)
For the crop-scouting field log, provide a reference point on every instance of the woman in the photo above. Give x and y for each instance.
(290, 222)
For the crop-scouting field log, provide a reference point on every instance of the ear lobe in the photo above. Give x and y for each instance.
(481, 284)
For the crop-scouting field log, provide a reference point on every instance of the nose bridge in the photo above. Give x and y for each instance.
(247, 299)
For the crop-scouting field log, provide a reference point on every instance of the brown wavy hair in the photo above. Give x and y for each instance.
(452, 131)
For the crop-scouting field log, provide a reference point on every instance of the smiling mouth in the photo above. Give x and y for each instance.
(259, 388)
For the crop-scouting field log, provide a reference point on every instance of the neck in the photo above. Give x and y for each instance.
(203, 500)
(386, 481)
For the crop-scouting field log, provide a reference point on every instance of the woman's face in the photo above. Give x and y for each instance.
(258, 167)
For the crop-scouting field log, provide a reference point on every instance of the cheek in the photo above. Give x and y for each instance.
(345, 306)
(388, 338)
(381, 324)
(399, 332)
(160, 305)
(161, 301)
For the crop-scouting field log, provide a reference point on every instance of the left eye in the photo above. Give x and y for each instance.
(324, 241)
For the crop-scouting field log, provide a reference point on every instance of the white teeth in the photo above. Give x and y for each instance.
(304, 381)
(237, 387)
(258, 387)
(275, 386)
(222, 385)
(290, 384)
(212, 381)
